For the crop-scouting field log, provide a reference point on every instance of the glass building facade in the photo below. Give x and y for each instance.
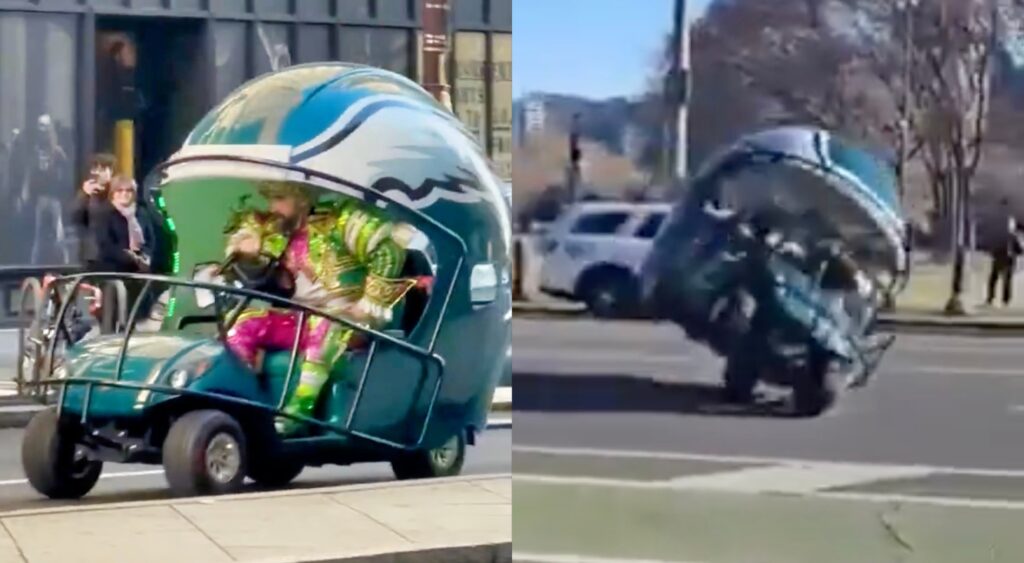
(72, 70)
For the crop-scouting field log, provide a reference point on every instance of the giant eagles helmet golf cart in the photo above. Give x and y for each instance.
(167, 389)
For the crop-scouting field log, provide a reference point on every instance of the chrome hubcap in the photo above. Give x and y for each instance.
(223, 458)
(80, 463)
(445, 455)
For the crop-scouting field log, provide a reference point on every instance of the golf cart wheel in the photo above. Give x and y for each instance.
(816, 393)
(273, 472)
(205, 454)
(53, 462)
(610, 296)
(739, 379)
(445, 461)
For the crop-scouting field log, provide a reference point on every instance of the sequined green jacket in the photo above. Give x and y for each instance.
(346, 254)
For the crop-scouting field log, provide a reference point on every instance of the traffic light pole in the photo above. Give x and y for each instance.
(677, 94)
(574, 158)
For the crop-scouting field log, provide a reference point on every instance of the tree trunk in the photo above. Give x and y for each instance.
(955, 305)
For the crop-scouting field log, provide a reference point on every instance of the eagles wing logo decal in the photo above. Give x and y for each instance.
(434, 161)
(431, 190)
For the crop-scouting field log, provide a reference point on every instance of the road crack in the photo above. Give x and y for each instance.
(893, 533)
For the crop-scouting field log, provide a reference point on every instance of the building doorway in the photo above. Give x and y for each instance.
(151, 73)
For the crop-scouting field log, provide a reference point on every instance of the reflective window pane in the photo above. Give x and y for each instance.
(353, 10)
(228, 6)
(470, 94)
(381, 47)
(37, 149)
(314, 43)
(468, 12)
(394, 10)
(271, 50)
(272, 7)
(501, 112)
(501, 13)
(229, 54)
(314, 8)
(600, 223)
(148, 4)
(189, 5)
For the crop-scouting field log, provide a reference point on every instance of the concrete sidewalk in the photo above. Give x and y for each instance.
(456, 519)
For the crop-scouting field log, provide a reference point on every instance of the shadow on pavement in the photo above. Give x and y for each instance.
(627, 393)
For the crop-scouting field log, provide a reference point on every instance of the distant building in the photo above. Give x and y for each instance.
(534, 116)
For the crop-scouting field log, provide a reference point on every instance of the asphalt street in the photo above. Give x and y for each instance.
(622, 422)
(124, 483)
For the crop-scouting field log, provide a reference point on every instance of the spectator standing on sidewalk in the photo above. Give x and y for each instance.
(91, 203)
(126, 240)
(1004, 255)
(124, 232)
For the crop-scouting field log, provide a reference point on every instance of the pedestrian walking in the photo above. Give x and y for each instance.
(1004, 255)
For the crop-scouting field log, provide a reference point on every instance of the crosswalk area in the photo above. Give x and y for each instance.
(981, 487)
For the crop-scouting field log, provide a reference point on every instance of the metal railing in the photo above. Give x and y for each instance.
(426, 356)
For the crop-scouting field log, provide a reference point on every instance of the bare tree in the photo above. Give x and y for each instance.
(954, 52)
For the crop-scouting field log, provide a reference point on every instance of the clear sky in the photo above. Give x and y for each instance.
(593, 48)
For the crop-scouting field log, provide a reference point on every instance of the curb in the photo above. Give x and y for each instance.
(294, 492)
(908, 325)
(18, 416)
(497, 552)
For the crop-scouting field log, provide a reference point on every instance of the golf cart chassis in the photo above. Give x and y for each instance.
(138, 448)
(125, 444)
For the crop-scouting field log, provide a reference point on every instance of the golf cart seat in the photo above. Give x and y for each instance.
(345, 373)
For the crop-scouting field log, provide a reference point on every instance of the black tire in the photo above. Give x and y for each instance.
(52, 460)
(817, 392)
(445, 461)
(274, 472)
(205, 454)
(739, 379)
(610, 296)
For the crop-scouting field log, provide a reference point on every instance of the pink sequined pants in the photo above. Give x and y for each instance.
(275, 330)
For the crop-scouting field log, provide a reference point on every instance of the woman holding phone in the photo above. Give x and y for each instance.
(124, 234)
(90, 204)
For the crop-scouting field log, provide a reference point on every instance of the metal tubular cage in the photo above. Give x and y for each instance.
(426, 354)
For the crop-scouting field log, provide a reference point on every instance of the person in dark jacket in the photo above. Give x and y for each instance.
(1004, 255)
(90, 204)
(124, 234)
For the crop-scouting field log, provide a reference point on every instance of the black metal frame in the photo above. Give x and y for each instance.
(375, 336)
(427, 354)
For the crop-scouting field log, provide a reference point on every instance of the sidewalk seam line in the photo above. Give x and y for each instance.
(354, 509)
(17, 546)
(202, 531)
(483, 488)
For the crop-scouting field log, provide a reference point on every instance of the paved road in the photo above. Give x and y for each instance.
(122, 483)
(621, 422)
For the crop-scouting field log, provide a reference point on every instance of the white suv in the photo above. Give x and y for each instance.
(594, 251)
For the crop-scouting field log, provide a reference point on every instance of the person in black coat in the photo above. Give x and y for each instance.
(1004, 254)
(91, 203)
(124, 233)
(125, 241)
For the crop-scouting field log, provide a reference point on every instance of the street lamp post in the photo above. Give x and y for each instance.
(677, 94)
